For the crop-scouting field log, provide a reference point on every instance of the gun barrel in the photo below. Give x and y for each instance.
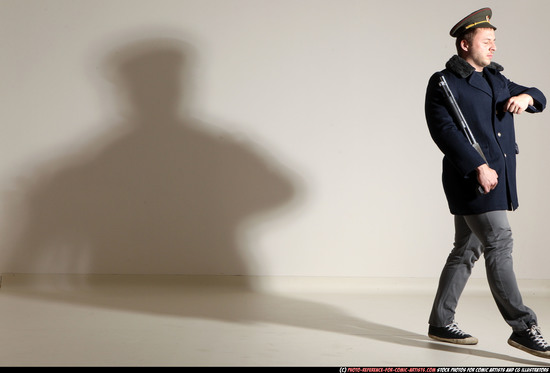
(457, 111)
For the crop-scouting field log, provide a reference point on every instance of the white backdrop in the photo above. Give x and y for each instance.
(261, 137)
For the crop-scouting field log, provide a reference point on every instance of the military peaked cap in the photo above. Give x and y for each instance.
(479, 18)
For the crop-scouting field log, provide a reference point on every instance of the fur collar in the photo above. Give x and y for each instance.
(459, 66)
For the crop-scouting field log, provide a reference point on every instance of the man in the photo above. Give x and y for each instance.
(488, 101)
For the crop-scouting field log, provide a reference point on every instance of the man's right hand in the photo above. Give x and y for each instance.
(487, 177)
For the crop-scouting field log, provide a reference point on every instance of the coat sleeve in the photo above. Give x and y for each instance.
(538, 97)
(446, 132)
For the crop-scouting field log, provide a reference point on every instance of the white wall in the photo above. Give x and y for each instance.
(264, 137)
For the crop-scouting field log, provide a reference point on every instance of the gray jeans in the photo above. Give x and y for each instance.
(488, 234)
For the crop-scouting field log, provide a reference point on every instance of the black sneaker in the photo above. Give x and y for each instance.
(451, 334)
(531, 341)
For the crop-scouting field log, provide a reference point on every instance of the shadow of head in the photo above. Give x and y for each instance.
(152, 75)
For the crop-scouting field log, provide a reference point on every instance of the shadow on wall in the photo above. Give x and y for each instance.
(159, 193)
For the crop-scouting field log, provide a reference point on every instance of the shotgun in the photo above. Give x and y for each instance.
(460, 117)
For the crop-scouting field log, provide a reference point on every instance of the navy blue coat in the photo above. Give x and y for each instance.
(493, 128)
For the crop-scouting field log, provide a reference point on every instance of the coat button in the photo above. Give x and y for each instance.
(499, 134)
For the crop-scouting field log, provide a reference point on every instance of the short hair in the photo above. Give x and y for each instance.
(467, 35)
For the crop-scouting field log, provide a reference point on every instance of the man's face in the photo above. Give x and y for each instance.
(479, 52)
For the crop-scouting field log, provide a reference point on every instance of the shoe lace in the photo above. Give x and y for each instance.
(453, 328)
(536, 335)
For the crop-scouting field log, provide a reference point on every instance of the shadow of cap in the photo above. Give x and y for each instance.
(148, 60)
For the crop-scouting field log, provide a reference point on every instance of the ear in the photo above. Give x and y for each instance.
(464, 45)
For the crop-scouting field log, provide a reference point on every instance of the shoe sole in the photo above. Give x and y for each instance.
(545, 354)
(459, 341)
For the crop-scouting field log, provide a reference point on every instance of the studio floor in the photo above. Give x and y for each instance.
(102, 320)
